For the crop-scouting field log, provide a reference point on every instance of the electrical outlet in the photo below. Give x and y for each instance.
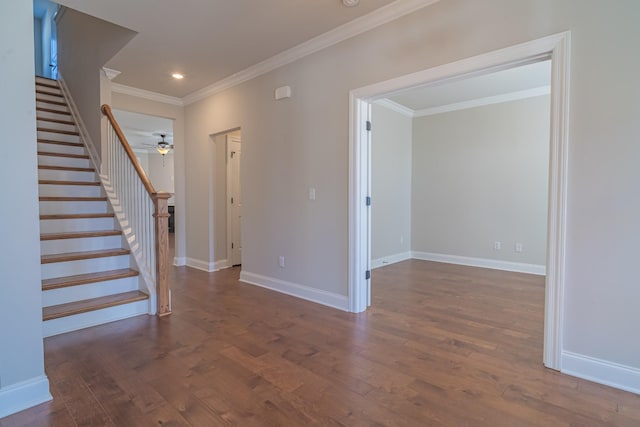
(497, 246)
(281, 261)
(518, 247)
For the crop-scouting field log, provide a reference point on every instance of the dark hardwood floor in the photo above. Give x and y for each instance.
(441, 345)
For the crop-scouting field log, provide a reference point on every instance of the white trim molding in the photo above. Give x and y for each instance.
(179, 261)
(390, 259)
(24, 395)
(555, 47)
(209, 267)
(601, 371)
(493, 264)
(146, 94)
(463, 105)
(481, 102)
(380, 16)
(394, 106)
(318, 296)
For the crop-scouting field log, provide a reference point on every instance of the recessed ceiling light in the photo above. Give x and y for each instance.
(350, 3)
(177, 76)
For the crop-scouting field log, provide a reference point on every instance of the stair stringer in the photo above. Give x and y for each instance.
(129, 237)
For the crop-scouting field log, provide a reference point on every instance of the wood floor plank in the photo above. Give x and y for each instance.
(441, 345)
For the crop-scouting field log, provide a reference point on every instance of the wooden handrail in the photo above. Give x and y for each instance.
(106, 110)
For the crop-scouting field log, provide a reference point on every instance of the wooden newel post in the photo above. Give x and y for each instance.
(161, 215)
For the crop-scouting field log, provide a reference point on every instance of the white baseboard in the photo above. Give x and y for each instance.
(601, 371)
(209, 267)
(24, 395)
(341, 302)
(179, 261)
(390, 259)
(518, 267)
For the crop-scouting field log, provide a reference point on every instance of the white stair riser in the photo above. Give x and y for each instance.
(63, 161)
(44, 97)
(62, 108)
(54, 136)
(61, 246)
(76, 224)
(63, 175)
(88, 291)
(70, 190)
(85, 266)
(52, 208)
(46, 81)
(54, 125)
(56, 148)
(57, 116)
(93, 318)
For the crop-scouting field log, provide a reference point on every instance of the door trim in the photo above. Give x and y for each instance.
(555, 47)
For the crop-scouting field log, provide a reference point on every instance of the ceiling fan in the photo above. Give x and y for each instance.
(163, 147)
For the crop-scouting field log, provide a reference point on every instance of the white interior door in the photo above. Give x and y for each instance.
(234, 201)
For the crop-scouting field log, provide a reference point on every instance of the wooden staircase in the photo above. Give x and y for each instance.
(87, 271)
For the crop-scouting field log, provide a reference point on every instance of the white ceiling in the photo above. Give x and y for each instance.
(522, 80)
(142, 130)
(209, 40)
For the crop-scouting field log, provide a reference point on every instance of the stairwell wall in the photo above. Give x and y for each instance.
(85, 44)
(22, 379)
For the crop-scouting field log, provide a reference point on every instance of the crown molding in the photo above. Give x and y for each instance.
(353, 28)
(110, 73)
(394, 106)
(480, 102)
(146, 94)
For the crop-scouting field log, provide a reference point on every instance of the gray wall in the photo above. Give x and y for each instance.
(85, 44)
(21, 351)
(301, 142)
(390, 183)
(481, 175)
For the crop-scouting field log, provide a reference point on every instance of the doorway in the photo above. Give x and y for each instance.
(234, 199)
(554, 48)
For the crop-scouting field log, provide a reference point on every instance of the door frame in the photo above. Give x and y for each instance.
(556, 48)
(228, 140)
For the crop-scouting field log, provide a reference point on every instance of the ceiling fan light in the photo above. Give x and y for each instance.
(162, 150)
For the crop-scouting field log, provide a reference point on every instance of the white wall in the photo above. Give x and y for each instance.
(480, 175)
(301, 142)
(85, 44)
(22, 379)
(391, 152)
(161, 173)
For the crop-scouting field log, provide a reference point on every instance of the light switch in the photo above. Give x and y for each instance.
(312, 193)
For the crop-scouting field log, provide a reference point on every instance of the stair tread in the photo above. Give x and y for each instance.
(54, 154)
(64, 132)
(59, 121)
(47, 81)
(70, 144)
(56, 182)
(71, 199)
(77, 307)
(79, 234)
(51, 110)
(77, 216)
(66, 168)
(44, 92)
(83, 279)
(75, 256)
(48, 101)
